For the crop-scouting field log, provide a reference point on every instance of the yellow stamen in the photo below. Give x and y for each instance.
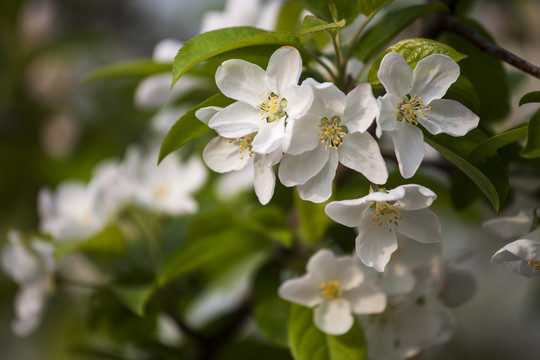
(245, 143)
(331, 289)
(534, 264)
(331, 133)
(411, 108)
(272, 108)
(161, 192)
(391, 215)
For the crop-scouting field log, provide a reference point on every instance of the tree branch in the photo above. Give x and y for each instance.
(452, 23)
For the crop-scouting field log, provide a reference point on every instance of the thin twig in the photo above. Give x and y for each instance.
(451, 23)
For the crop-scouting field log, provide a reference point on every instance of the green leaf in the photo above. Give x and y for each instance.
(134, 297)
(414, 50)
(532, 147)
(288, 16)
(216, 252)
(366, 7)
(312, 24)
(312, 219)
(463, 91)
(389, 26)
(489, 176)
(309, 343)
(132, 69)
(212, 43)
(270, 312)
(490, 146)
(109, 242)
(532, 97)
(331, 10)
(189, 127)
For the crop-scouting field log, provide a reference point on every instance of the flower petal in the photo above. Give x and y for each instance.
(449, 117)
(297, 169)
(361, 109)
(415, 197)
(367, 298)
(236, 120)
(269, 137)
(328, 100)
(395, 74)
(242, 81)
(264, 180)
(387, 116)
(303, 290)
(223, 156)
(361, 152)
(375, 245)
(433, 76)
(347, 212)
(421, 225)
(319, 188)
(305, 132)
(334, 316)
(409, 146)
(510, 226)
(522, 249)
(284, 68)
(299, 100)
(206, 113)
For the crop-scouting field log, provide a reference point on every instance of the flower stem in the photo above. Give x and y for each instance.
(320, 62)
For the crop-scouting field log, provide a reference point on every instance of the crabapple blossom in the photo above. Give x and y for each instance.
(332, 131)
(267, 103)
(225, 155)
(336, 288)
(31, 266)
(380, 215)
(414, 98)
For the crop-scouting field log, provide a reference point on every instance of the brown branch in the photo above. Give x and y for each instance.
(452, 23)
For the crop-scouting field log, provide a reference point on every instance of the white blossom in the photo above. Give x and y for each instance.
(332, 131)
(268, 101)
(380, 215)
(242, 13)
(413, 98)
(336, 288)
(76, 211)
(165, 188)
(31, 266)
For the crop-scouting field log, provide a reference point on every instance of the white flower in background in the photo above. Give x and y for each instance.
(382, 214)
(413, 98)
(76, 211)
(522, 256)
(242, 13)
(332, 131)
(336, 288)
(225, 155)
(31, 267)
(268, 101)
(412, 323)
(167, 187)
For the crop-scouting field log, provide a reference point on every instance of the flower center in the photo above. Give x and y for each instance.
(331, 289)
(331, 133)
(535, 265)
(161, 192)
(383, 209)
(272, 108)
(245, 143)
(409, 109)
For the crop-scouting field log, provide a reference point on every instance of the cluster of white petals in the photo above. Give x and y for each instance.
(522, 256)
(78, 211)
(31, 266)
(414, 98)
(336, 288)
(381, 215)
